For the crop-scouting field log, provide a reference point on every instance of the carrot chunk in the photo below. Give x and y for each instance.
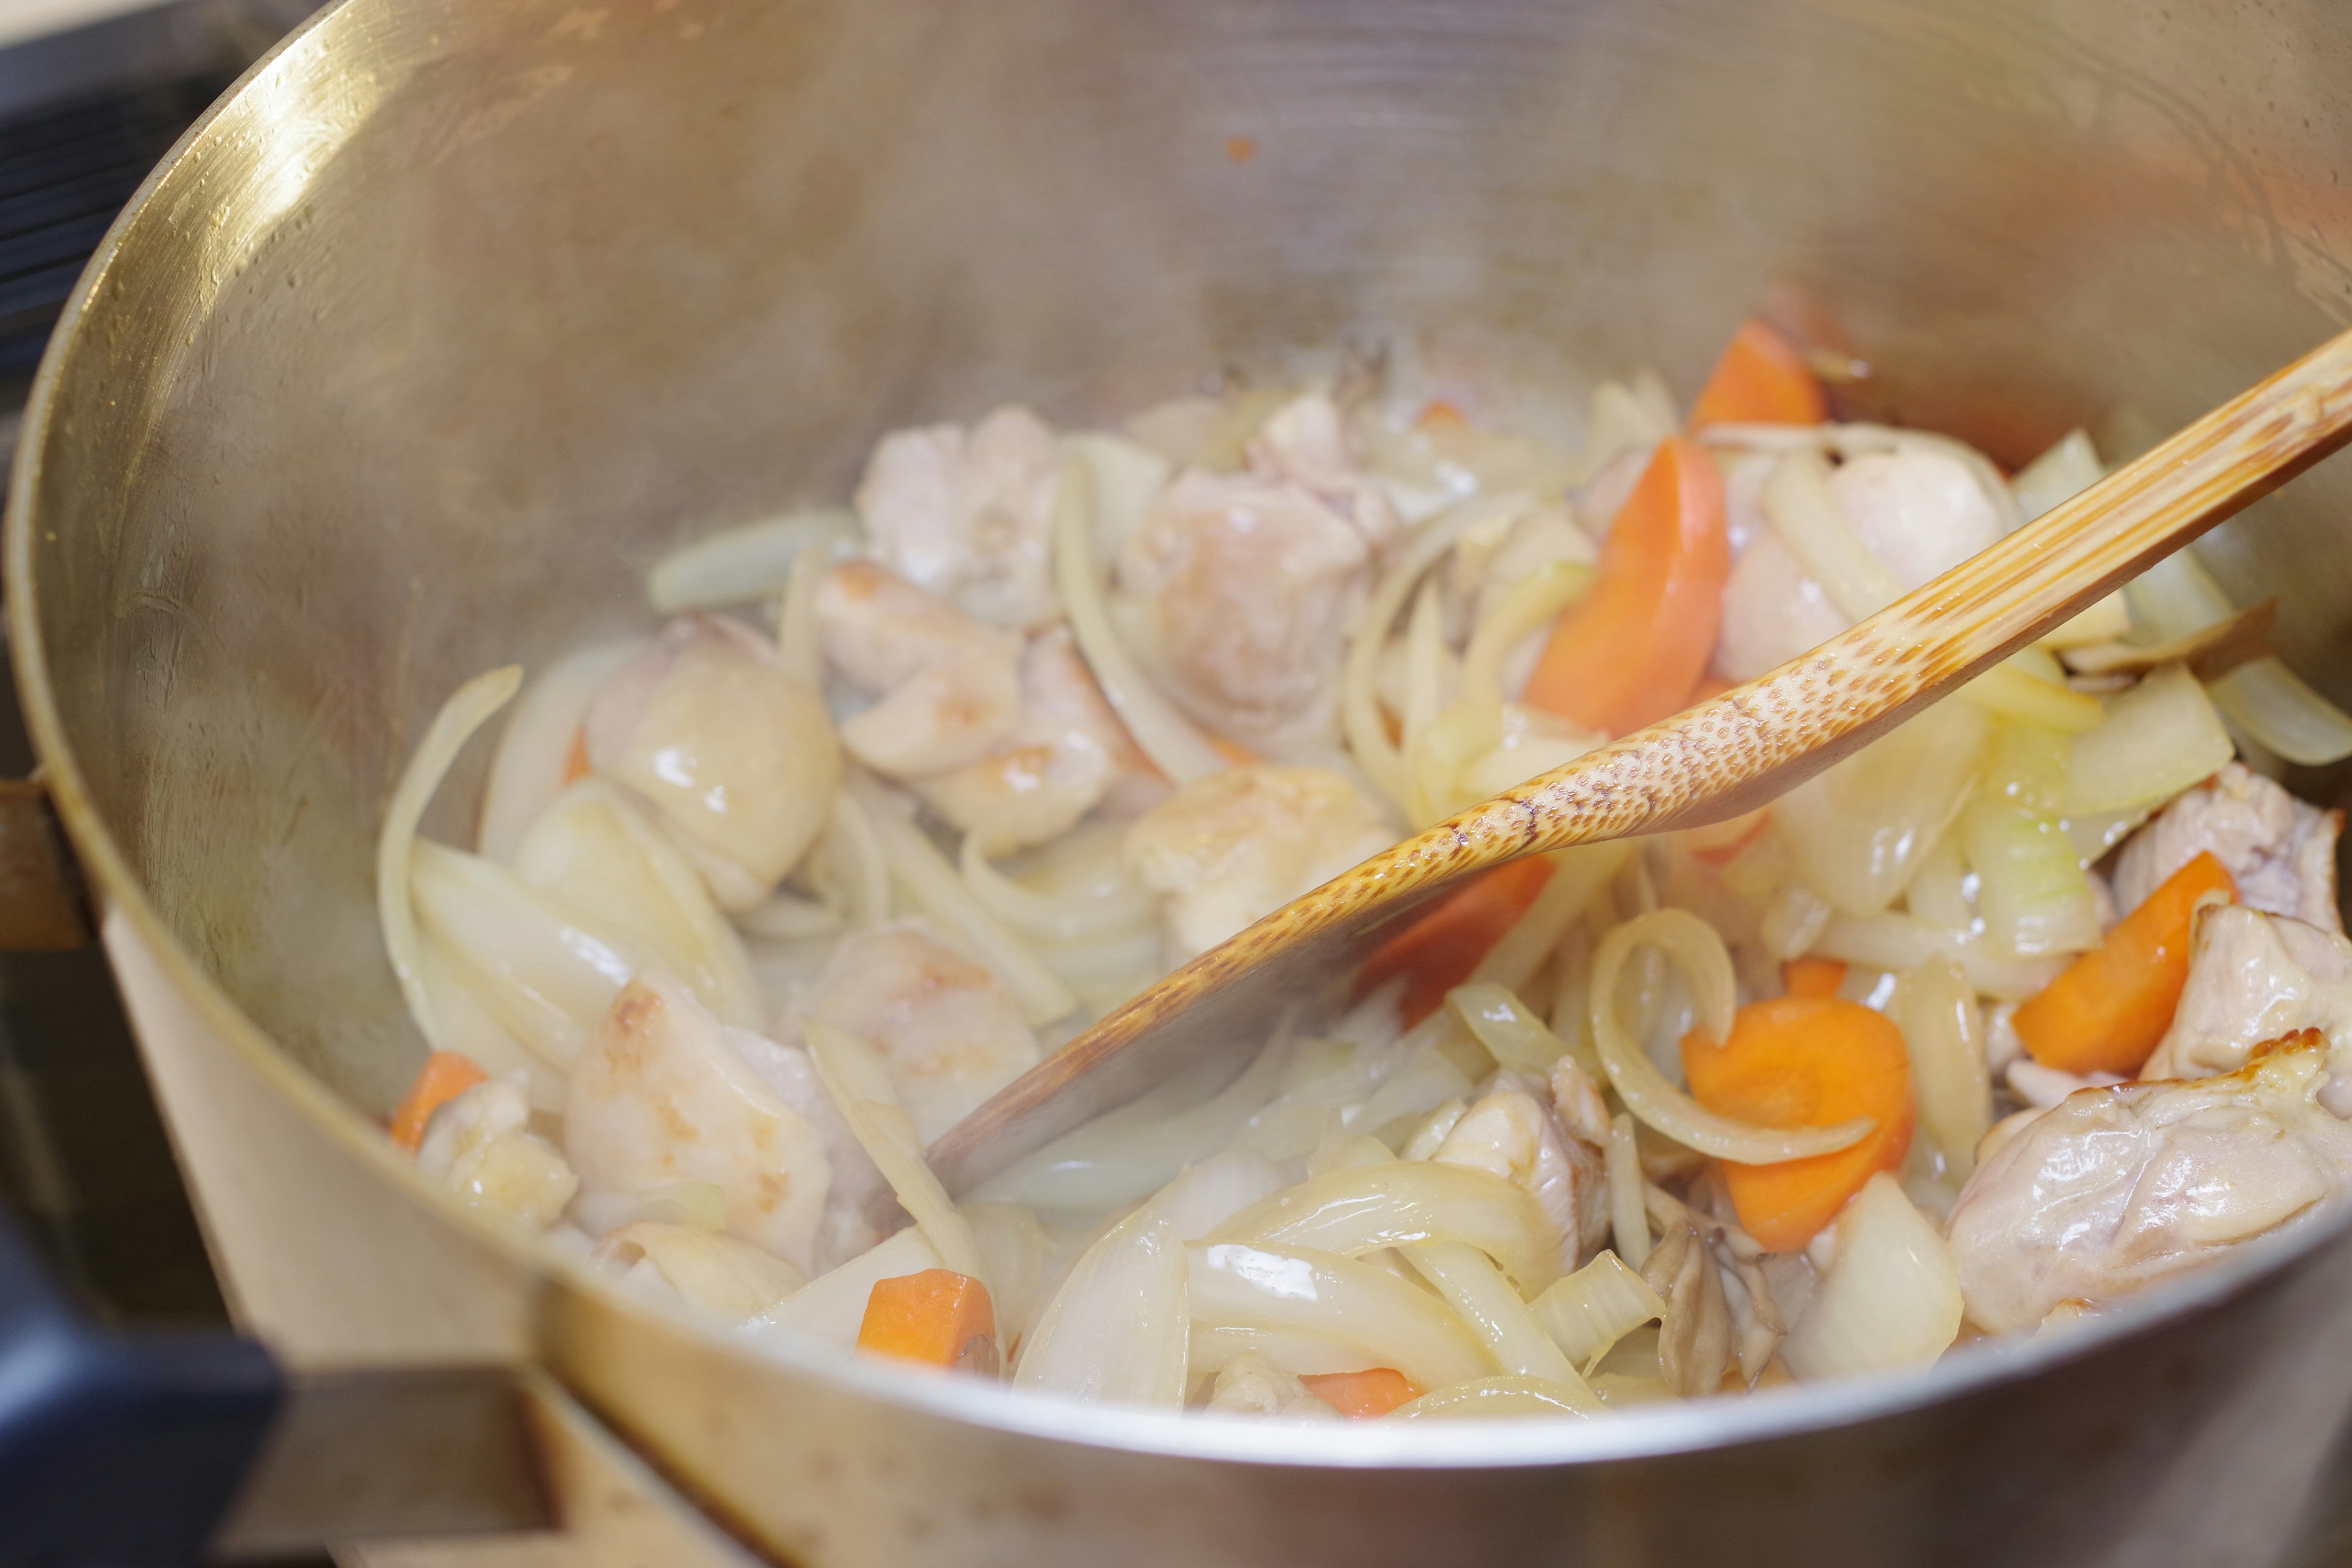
(938, 1317)
(1361, 1396)
(1630, 651)
(1440, 949)
(1812, 977)
(1805, 1061)
(445, 1076)
(1762, 379)
(2107, 1010)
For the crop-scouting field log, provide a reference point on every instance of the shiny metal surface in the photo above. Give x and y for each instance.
(456, 315)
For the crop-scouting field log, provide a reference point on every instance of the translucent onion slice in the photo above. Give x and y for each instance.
(1858, 830)
(544, 973)
(1577, 875)
(917, 865)
(744, 565)
(1595, 1307)
(847, 868)
(1798, 504)
(1484, 1300)
(1360, 705)
(2176, 596)
(1530, 604)
(1629, 1218)
(1904, 942)
(468, 707)
(799, 642)
(1016, 1246)
(2018, 690)
(1117, 1332)
(1511, 1033)
(535, 752)
(2159, 738)
(1066, 917)
(1166, 736)
(1891, 1300)
(1488, 1399)
(858, 1081)
(1127, 476)
(1301, 1355)
(1936, 1009)
(2068, 469)
(1368, 1311)
(1364, 1208)
(831, 1307)
(2033, 895)
(1693, 947)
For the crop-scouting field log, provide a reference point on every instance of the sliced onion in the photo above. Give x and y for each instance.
(1364, 1308)
(1488, 1399)
(799, 642)
(1511, 1033)
(1859, 830)
(1359, 706)
(1015, 1246)
(1117, 1331)
(1577, 875)
(2033, 893)
(1165, 736)
(1798, 504)
(471, 1029)
(544, 973)
(1364, 1208)
(1128, 477)
(2176, 596)
(1301, 1355)
(1484, 1300)
(847, 868)
(917, 865)
(2160, 737)
(1895, 942)
(832, 1307)
(744, 565)
(1059, 918)
(1629, 1218)
(1693, 947)
(2016, 689)
(1525, 606)
(1211, 1191)
(1891, 1300)
(535, 752)
(1936, 1009)
(468, 707)
(1595, 1307)
(858, 1082)
(2068, 469)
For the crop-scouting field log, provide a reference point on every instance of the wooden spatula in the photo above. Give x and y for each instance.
(1728, 754)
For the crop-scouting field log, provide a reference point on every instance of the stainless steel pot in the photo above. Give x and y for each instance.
(456, 314)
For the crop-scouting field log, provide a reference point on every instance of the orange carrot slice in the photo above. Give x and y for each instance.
(1440, 949)
(1762, 379)
(1805, 1061)
(1812, 977)
(1361, 1396)
(938, 1317)
(2107, 1010)
(445, 1076)
(1630, 651)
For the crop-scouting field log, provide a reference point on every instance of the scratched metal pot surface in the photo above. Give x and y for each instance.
(456, 315)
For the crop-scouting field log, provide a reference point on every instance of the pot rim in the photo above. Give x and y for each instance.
(1643, 1432)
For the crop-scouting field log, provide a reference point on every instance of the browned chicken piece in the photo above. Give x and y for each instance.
(2116, 1189)
(968, 514)
(947, 687)
(2255, 977)
(951, 1031)
(2278, 850)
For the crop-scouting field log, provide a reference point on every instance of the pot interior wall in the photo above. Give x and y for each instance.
(461, 314)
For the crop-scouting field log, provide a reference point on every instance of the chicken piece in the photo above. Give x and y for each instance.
(1919, 513)
(948, 687)
(2255, 977)
(1306, 442)
(2118, 1189)
(1246, 583)
(1068, 751)
(2045, 1087)
(1694, 1337)
(951, 1031)
(2280, 851)
(481, 1143)
(1241, 843)
(1249, 1385)
(717, 1273)
(859, 1206)
(1509, 1132)
(1771, 611)
(737, 754)
(969, 515)
(663, 1094)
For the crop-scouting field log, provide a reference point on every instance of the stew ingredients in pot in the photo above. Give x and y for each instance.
(2032, 1003)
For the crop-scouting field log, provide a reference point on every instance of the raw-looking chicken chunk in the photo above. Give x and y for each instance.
(1249, 1385)
(1068, 751)
(2280, 851)
(714, 1272)
(1245, 841)
(480, 1143)
(2255, 977)
(968, 514)
(737, 753)
(948, 687)
(2116, 1189)
(951, 1031)
(1919, 513)
(1246, 583)
(663, 1095)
